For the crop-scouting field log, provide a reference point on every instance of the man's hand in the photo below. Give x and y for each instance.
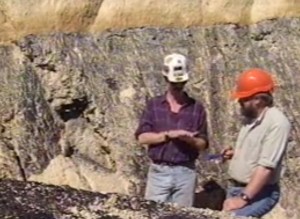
(227, 153)
(233, 203)
(181, 134)
(189, 138)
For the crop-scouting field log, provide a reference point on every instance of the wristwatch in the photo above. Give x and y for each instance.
(167, 138)
(245, 197)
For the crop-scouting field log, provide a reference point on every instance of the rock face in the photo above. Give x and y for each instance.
(18, 19)
(20, 200)
(70, 102)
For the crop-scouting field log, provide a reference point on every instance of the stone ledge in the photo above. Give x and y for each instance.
(21, 199)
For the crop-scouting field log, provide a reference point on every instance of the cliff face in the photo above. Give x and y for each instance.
(70, 102)
(19, 18)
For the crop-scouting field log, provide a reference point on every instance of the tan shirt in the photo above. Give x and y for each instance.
(261, 143)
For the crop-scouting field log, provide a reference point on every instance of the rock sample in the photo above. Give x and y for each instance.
(70, 102)
(19, 18)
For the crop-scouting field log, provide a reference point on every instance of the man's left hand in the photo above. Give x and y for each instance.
(187, 136)
(234, 203)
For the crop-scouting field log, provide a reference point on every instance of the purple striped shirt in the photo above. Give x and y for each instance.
(158, 117)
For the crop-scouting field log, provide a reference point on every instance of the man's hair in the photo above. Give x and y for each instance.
(267, 98)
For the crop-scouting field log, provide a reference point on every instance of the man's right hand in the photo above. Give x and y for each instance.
(227, 153)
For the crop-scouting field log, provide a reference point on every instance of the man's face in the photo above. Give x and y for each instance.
(177, 86)
(249, 107)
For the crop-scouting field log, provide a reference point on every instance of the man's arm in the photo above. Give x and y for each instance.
(152, 138)
(259, 179)
(273, 150)
(144, 133)
(156, 138)
(196, 142)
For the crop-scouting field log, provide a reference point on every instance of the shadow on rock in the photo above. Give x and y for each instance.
(212, 196)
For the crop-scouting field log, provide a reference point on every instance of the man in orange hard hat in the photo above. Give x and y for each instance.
(255, 164)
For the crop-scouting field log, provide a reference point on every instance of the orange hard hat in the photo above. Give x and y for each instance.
(253, 81)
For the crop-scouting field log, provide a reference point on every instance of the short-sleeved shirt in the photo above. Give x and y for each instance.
(261, 143)
(158, 117)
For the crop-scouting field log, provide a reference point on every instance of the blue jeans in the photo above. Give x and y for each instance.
(174, 184)
(263, 203)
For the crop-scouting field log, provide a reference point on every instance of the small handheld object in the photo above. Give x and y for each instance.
(245, 197)
(214, 157)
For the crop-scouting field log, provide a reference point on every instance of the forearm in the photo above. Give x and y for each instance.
(259, 179)
(198, 143)
(152, 138)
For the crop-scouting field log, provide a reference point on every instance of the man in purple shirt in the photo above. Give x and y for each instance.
(174, 127)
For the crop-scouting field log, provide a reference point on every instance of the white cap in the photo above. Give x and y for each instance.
(175, 68)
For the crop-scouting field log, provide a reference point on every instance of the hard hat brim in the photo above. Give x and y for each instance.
(178, 79)
(237, 95)
(240, 95)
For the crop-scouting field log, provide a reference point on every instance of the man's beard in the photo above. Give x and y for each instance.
(249, 112)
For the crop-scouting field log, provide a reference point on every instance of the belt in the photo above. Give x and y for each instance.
(190, 164)
(236, 183)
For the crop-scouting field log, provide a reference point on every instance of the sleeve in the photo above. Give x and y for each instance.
(146, 120)
(274, 144)
(202, 126)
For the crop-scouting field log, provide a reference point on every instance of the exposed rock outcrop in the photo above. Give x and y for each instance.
(19, 18)
(70, 102)
(21, 200)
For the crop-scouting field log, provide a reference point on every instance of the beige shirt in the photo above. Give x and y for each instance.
(261, 143)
